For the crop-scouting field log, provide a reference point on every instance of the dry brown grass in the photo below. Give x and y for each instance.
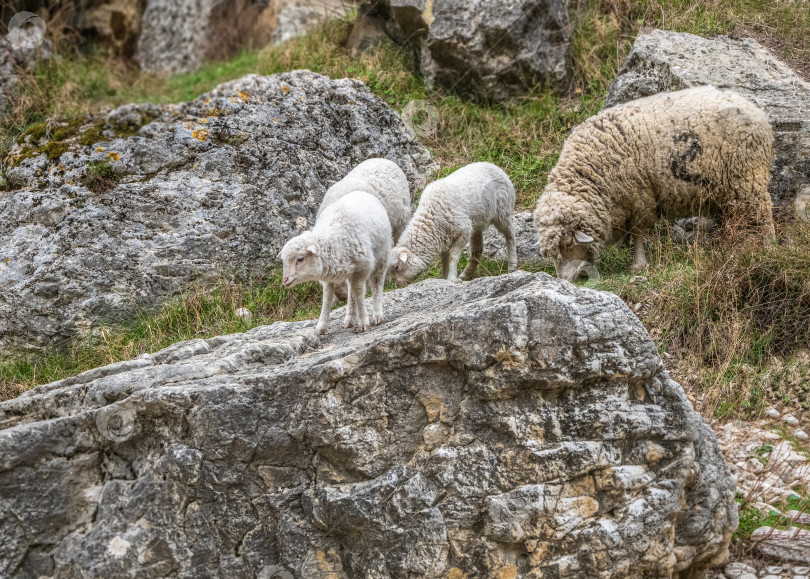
(732, 316)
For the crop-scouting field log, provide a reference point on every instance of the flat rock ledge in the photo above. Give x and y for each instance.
(512, 426)
(108, 216)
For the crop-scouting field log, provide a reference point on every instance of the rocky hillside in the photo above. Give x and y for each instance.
(167, 410)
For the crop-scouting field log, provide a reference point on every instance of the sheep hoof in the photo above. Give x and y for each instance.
(348, 324)
(638, 267)
(378, 320)
(321, 329)
(462, 277)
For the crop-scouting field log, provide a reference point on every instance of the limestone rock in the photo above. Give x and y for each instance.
(115, 23)
(791, 545)
(668, 61)
(8, 76)
(208, 188)
(16, 58)
(509, 426)
(297, 17)
(493, 49)
(526, 237)
(181, 35)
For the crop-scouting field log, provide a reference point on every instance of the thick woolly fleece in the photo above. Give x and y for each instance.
(383, 179)
(453, 211)
(350, 242)
(701, 150)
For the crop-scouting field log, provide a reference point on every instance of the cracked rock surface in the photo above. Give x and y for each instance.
(149, 198)
(496, 50)
(512, 426)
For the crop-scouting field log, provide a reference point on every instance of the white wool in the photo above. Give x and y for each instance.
(451, 212)
(383, 179)
(678, 154)
(350, 242)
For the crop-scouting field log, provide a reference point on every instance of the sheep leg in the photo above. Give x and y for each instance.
(377, 295)
(348, 321)
(508, 232)
(357, 290)
(765, 219)
(357, 293)
(453, 255)
(639, 258)
(476, 249)
(326, 307)
(445, 266)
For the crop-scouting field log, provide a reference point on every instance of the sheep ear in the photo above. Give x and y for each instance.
(312, 249)
(403, 257)
(582, 237)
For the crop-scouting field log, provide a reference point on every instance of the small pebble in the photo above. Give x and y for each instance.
(637, 309)
(767, 509)
(801, 570)
(772, 412)
(739, 571)
(790, 420)
(801, 435)
(800, 576)
(638, 279)
(774, 570)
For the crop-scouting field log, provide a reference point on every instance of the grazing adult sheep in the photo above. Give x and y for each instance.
(451, 212)
(696, 151)
(350, 242)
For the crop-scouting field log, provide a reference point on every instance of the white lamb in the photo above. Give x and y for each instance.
(383, 179)
(350, 242)
(451, 212)
(386, 181)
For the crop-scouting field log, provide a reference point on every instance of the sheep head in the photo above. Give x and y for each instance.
(301, 258)
(404, 266)
(567, 230)
(575, 248)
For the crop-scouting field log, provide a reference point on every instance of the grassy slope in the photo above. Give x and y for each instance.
(737, 344)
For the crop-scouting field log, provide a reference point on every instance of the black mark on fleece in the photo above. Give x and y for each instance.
(687, 148)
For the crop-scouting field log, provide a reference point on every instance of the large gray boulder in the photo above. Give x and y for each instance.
(8, 73)
(526, 242)
(493, 49)
(667, 61)
(182, 35)
(19, 54)
(100, 225)
(297, 17)
(512, 426)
